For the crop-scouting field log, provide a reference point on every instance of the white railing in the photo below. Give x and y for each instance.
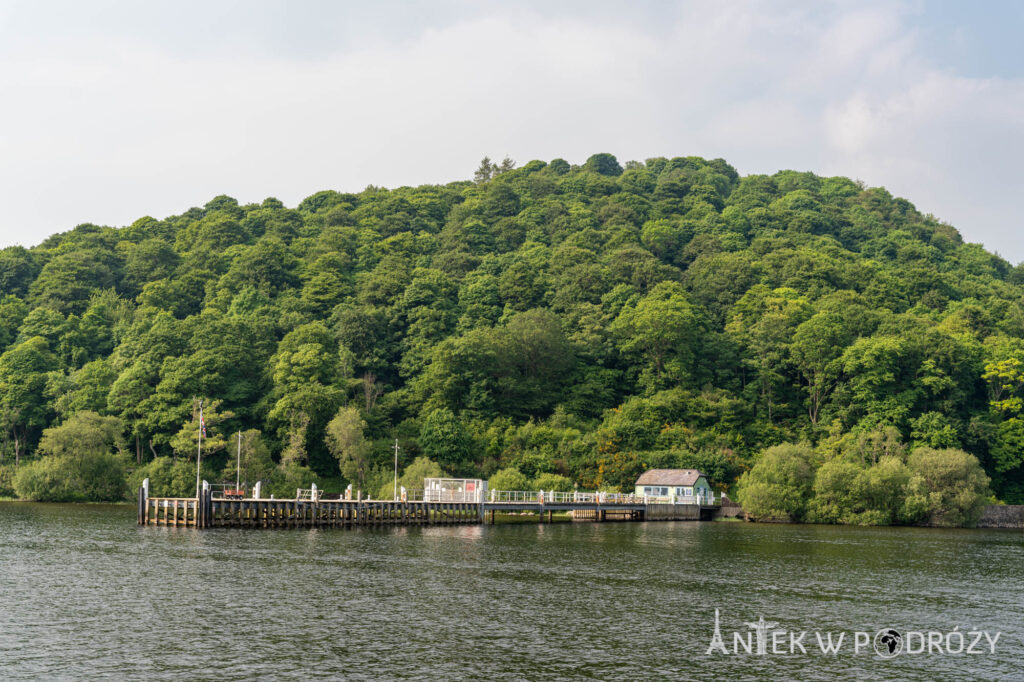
(308, 494)
(705, 500)
(435, 495)
(555, 497)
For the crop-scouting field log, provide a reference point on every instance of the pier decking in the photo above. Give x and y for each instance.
(208, 511)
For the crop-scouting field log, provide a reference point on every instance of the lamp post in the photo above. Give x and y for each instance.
(199, 451)
(395, 494)
(238, 463)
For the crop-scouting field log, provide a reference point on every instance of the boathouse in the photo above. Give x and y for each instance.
(683, 485)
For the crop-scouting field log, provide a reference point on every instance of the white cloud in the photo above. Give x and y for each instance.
(108, 131)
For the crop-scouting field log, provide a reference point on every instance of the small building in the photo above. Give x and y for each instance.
(454, 490)
(680, 485)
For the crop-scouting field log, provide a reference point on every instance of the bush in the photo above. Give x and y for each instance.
(289, 477)
(170, 477)
(555, 482)
(946, 488)
(412, 477)
(6, 481)
(721, 467)
(778, 486)
(86, 478)
(509, 479)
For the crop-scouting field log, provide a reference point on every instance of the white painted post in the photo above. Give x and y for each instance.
(257, 491)
(314, 494)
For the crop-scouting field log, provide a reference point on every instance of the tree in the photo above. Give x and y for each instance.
(947, 487)
(842, 494)
(67, 281)
(306, 376)
(485, 171)
(254, 464)
(412, 477)
(603, 164)
(509, 479)
(345, 440)
(185, 442)
(84, 434)
(23, 376)
(779, 485)
(661, 328)
(445, 440)
(817, 344)
(555, 482)
(82, 460)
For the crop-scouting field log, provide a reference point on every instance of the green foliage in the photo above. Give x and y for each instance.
(95, 477)
(253, 464)
(935, 487)
(586, 321)
(947, 487)
(170, 477)
(289, 477)
(419, 469)
(7, 480)
(509, 479)
(345, 440)
(778, 486)
(555, 482)
(84, 434)
(444, 439)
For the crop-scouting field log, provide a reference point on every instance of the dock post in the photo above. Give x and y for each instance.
(144, 502)
(257, 491)
(205, 494)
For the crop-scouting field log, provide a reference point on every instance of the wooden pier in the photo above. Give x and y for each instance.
(208, 511)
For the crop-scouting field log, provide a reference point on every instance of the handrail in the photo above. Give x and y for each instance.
(556, 497)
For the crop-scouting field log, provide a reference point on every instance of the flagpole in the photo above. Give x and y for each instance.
(199, 452)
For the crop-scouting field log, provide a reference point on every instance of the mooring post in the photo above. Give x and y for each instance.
(144, 503)
(204, 504)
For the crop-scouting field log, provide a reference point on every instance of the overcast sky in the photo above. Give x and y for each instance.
(115, 110)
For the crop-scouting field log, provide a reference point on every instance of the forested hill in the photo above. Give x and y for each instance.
(588, 321)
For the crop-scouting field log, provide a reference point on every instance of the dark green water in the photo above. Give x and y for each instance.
(85, 594)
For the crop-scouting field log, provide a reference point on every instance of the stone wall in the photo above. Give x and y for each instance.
(673, 512)
(1002, 516)
(729, 509)
(731, 512)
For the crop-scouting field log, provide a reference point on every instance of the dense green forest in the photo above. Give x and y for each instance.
(576, 324)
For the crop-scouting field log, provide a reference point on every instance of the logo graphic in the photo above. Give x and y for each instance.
(888, 643)
(766, 637)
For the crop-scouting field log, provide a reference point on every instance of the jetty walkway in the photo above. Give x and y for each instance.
(311, 509)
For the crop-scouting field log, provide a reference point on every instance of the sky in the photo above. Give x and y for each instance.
(111, 111)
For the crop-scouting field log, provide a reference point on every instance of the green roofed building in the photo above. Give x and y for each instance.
(679, 485)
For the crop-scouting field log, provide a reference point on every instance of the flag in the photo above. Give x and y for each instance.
(202, 422)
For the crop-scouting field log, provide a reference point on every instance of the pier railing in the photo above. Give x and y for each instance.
(311, 508)
(556, 497)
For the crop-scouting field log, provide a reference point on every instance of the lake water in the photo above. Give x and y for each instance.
(85, 594)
